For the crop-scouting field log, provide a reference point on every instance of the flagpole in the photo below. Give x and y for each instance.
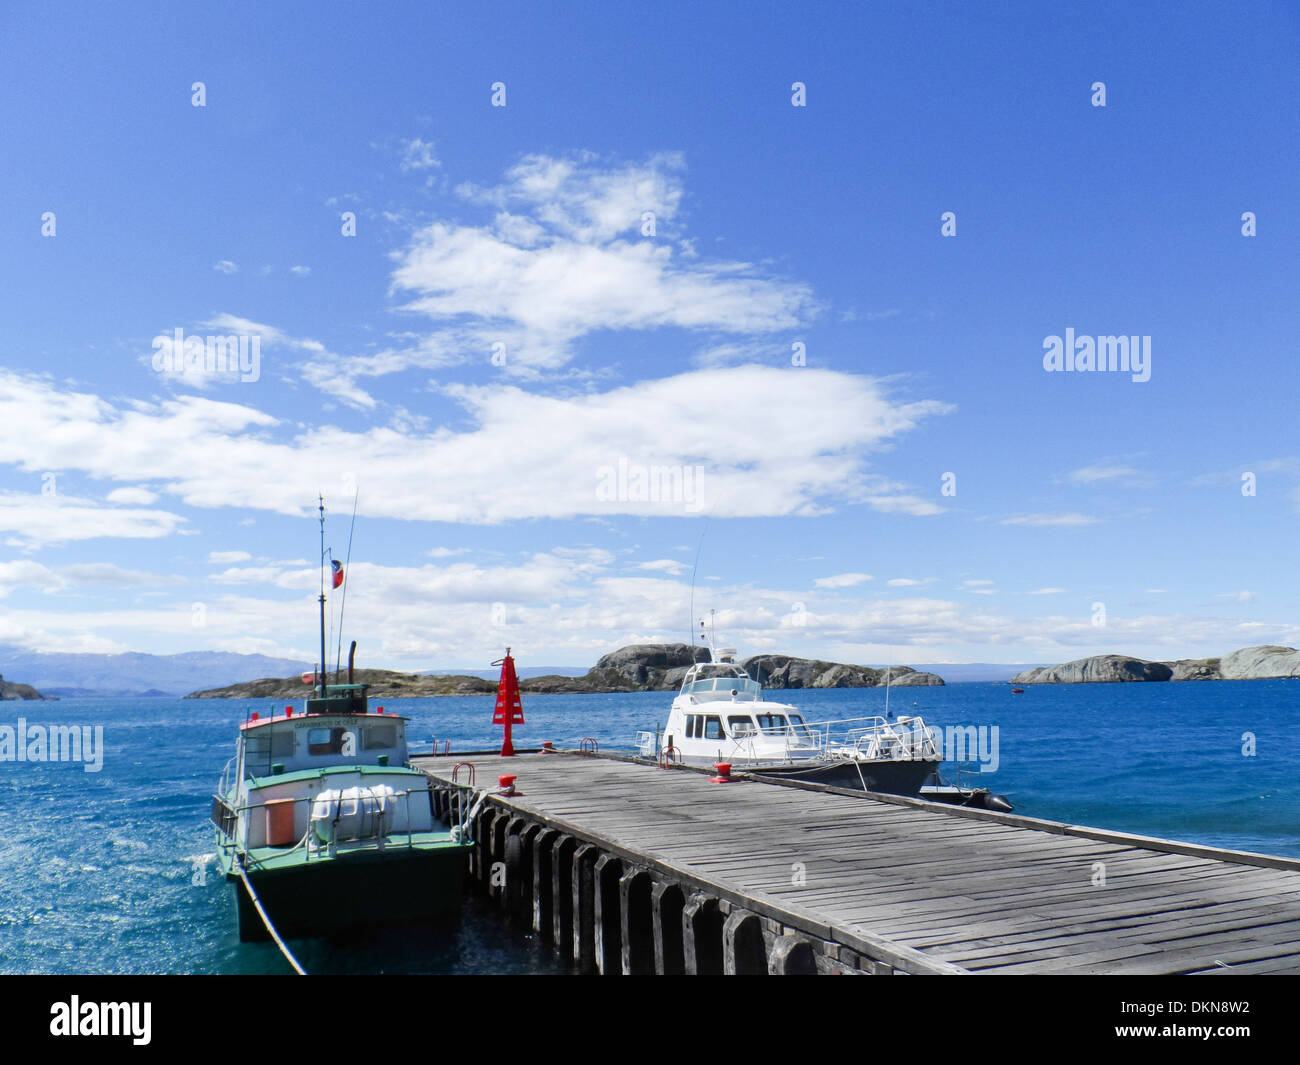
(324, 664)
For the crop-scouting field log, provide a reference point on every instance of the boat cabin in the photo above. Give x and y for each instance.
(292, 742)
(739, 726)
(720, 713)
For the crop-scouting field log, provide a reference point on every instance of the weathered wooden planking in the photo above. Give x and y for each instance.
(990, 892)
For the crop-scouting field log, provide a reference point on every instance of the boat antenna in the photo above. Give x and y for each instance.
(324, 662)
(889, 675)
(343, 601)
(691, 625)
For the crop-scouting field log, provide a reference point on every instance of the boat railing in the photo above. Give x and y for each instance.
(872, 738)
(904, 739)
(863, 737)
(227, 819)
(224, 787)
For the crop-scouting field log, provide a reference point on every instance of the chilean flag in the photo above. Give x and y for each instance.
(336, 567)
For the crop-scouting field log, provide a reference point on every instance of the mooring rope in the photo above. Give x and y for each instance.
(257, 903)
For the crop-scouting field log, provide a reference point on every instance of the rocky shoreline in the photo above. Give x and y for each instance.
(1266, 662)
(637, 667)
(12, 692)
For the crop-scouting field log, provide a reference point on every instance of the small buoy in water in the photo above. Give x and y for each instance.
(1017, 691)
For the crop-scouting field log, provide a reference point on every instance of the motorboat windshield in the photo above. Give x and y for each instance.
(707, 681)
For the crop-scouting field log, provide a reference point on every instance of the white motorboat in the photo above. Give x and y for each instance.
(720, 716)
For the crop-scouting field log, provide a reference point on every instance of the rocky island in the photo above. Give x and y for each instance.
(637, 667)
(1250, 663)
(10, 691)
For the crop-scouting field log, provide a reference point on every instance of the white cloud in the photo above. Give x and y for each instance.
(670, 566)
(300, 271)
(904, 504)
(795, 466)
(1050, 519)
(1093, 474)
(25, 574)
(569, 606)
(38, 519)
(446, 552)
(1048, 591)
(53, 580)
(418, 154)
(562, 258)
(225, 266)
(977, 583)
(106, 573)
(842, 580)
(135, 495)
(228, 558)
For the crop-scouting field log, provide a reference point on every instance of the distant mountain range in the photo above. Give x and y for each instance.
(136, 674)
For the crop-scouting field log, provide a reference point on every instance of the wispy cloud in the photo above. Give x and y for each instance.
(33, 520)
(670, 566)
(842, 580)
(419, 154)
(566, 253)
(1050, 519)
(1094, 474)
(228, 558)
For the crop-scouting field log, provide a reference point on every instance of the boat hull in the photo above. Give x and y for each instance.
(900, 777)
(370, 888)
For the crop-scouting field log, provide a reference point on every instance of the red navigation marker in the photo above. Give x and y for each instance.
(509, 711)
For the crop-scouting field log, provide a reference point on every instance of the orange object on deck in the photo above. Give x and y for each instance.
(279, 823)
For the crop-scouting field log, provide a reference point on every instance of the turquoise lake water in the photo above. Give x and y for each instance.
(111, 872)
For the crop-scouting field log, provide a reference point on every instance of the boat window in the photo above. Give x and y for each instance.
(771, 721)
(325, 740)
(713, 728)
(377, 736)
(740, 726)
(280, 742)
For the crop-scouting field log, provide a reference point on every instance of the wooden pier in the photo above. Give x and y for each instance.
(628, 868)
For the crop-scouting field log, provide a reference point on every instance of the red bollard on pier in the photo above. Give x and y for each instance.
(509, 710)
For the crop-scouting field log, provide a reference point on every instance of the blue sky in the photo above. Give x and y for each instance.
(149, 510)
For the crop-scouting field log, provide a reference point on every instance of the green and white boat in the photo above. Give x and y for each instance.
(321, 819)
